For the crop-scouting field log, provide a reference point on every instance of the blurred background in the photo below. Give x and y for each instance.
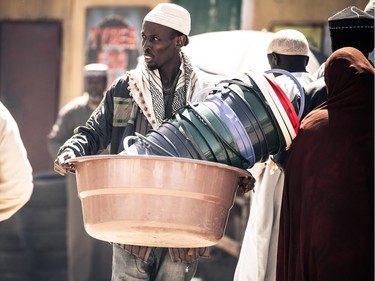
(44, 45)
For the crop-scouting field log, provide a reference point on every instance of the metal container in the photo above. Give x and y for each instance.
(155, 200)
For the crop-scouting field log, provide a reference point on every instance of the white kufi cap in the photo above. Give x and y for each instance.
(289, 42)
(95, 69)
(170, 15)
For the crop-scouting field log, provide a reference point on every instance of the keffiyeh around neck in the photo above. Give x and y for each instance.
(146, 89)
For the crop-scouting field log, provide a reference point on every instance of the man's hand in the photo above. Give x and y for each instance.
(60, 166)
(246, 183)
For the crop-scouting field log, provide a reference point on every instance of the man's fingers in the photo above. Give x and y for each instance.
(247, 183)
(59, 169)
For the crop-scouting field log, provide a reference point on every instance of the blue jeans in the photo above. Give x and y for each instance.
(159, 267)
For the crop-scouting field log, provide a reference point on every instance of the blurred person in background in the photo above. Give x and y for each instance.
(288, 50)
(88, 258)
(16, 174)
(327, 213)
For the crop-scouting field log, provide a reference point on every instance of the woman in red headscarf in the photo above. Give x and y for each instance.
(327, 219)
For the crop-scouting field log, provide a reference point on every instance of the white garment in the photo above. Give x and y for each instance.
(288, 85)
(16, 179)
(258, 256)
(257, 260)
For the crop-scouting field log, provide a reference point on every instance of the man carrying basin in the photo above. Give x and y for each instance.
(136, 102)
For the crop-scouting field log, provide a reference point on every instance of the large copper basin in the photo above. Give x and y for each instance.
(155, 200)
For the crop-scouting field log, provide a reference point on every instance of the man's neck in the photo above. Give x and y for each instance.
(169, 74)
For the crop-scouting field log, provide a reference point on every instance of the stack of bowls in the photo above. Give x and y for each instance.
(239, 123)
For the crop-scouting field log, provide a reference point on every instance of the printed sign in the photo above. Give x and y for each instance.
(113, 37)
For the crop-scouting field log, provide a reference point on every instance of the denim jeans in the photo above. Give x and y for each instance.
(159, 267)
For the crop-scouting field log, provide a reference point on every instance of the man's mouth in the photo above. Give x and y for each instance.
(148, 58)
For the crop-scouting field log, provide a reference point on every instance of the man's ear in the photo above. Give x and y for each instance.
(275, 58)
(180, 42)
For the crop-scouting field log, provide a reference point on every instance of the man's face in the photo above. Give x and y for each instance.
(95, 86)
(160, 45)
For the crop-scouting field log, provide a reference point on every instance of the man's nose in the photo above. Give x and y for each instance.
(146, 44)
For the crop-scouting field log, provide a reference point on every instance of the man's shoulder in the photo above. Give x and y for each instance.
(120, 85)
(120, 80)
(315, 86)
(315, 95)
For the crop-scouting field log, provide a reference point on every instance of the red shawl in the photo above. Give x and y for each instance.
(327, 216)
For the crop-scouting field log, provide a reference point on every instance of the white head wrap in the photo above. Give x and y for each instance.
(170, 15)
(289, 42)
(95, 69)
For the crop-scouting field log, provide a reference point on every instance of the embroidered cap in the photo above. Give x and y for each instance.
(95, 69)
(170, 15)
(289, 42)
(351, 18)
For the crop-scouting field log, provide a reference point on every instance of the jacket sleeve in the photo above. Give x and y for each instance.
(63, 128)
(96, 135)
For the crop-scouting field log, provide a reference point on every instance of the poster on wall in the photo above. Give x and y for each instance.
(113, 37)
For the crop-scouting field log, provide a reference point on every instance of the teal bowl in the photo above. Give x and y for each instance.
(189, 128)
(217, 126)
(203, 136)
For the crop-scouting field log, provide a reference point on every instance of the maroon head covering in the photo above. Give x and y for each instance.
(327, 222)
(350, 83)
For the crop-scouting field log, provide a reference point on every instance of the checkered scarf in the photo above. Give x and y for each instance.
(146, 89)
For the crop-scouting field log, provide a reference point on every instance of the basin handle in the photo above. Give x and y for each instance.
(126, 143)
